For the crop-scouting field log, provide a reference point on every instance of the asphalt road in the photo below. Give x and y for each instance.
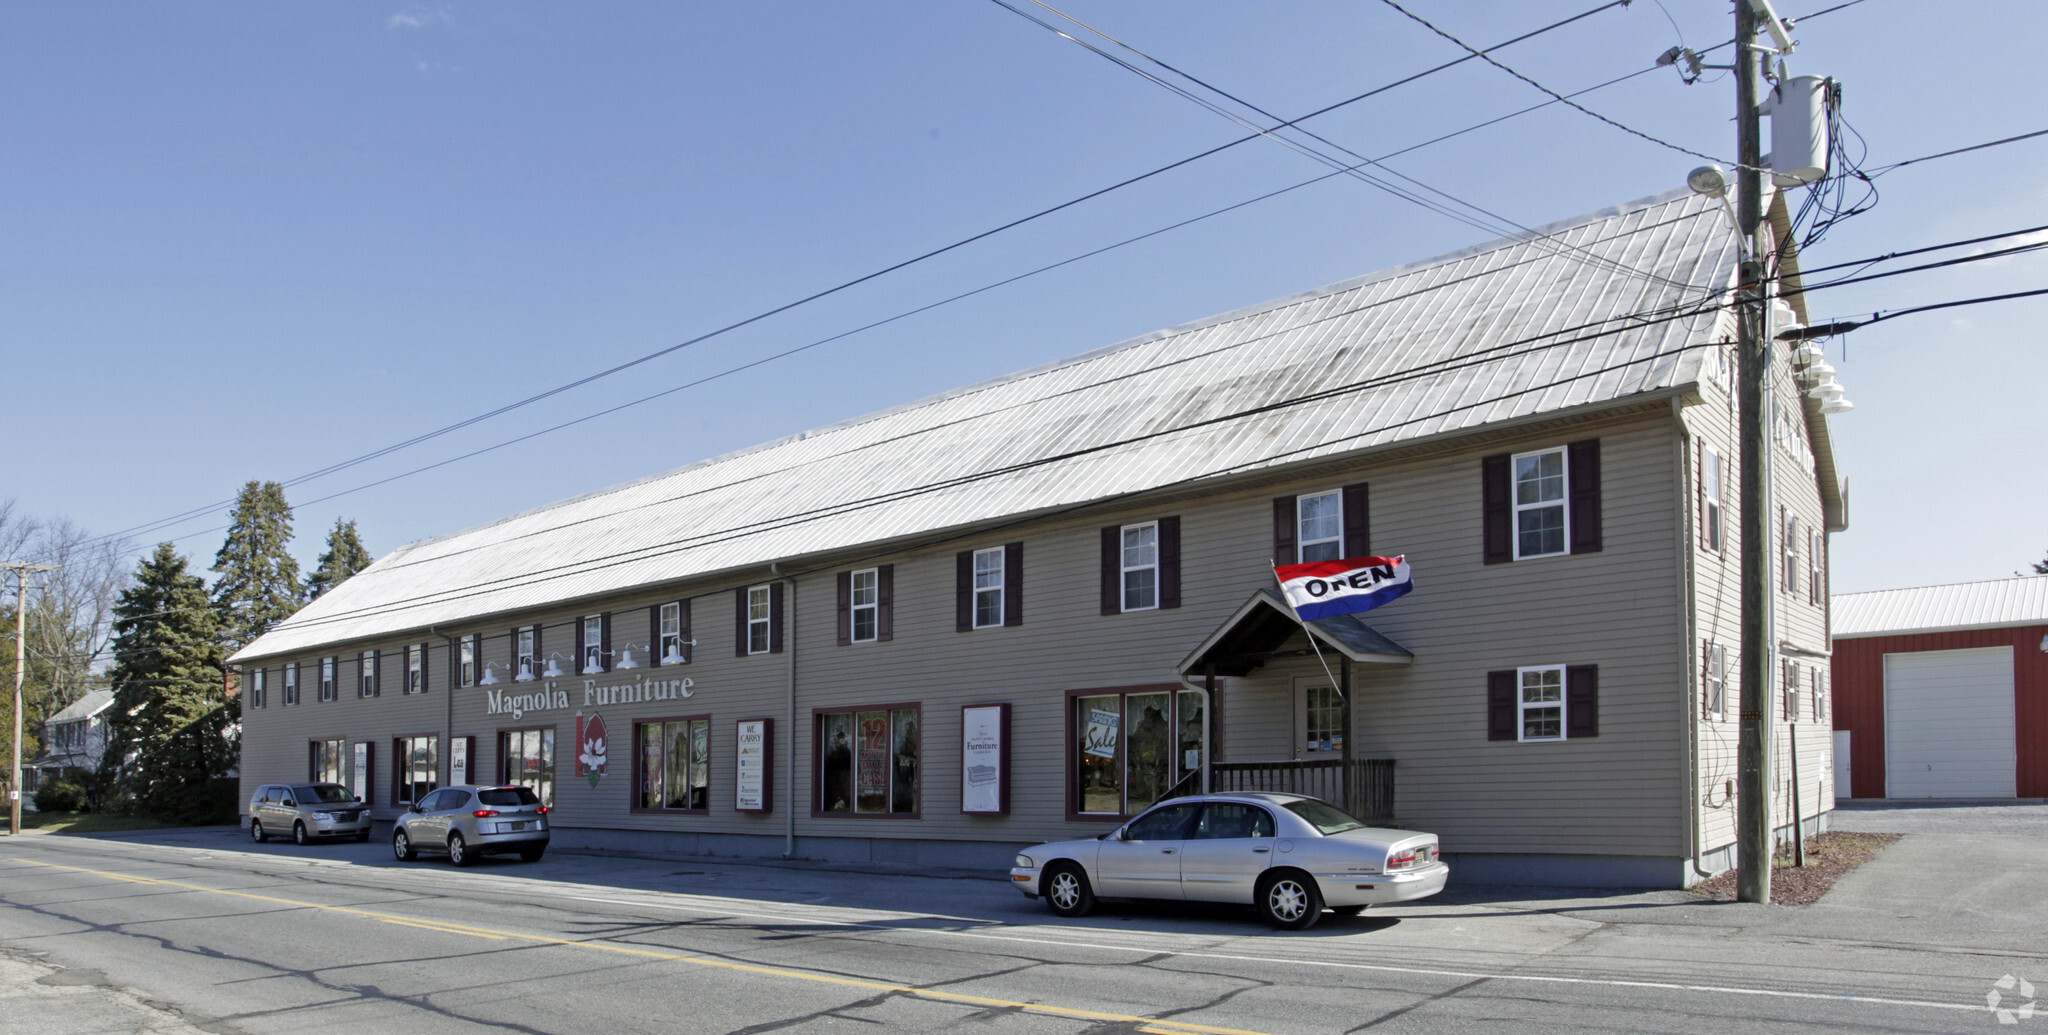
(235, 937)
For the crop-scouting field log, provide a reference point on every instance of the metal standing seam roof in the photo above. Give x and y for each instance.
(1994, 604)
(1159, 410)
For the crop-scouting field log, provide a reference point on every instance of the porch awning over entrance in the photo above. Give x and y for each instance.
(1255, 633)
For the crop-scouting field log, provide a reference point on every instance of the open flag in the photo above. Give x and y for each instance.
(1320, 589)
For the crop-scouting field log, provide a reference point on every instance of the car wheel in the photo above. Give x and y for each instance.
(299, 834)
(256, 831)
(1347, 910)
(1067, 892)
(401, 846)
(531, 855)
(362, 835)
(458, 851)
(1290, 901)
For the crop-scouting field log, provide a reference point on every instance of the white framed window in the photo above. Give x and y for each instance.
(1716, 689)
(366, 665)
(1790, 580)
(291, 683)
(865, 596)
(327, 678)
(259, 686)
(988, 587)
(592, 661)
(523, 661)
(1323, 719)
(416, 668)
(760, 614)
(1816, 544)
(670, 648)
(1790, 705)
(1542, 521)
(1319, 518)
(1540, 702)
(468, 647)
(1141, 566)
(1713, 488)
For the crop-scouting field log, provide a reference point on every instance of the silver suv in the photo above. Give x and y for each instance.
(470, 822)
(306, 811)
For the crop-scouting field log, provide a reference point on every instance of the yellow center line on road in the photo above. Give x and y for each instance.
(1160, 1027)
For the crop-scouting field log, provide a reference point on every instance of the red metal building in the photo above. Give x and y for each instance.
(1942, 691)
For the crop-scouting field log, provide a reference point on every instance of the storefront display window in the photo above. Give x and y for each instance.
(868, 761)
(1131, 748)
(675, 764)
(418, 763)
(327, 761)
(527, 759)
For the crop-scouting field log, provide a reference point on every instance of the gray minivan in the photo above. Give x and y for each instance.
(306, 811)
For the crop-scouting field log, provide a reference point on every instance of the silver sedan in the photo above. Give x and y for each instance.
(1288, 855)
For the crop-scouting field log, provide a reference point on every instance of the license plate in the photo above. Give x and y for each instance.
(521, 825)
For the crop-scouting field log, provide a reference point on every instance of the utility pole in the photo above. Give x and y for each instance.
(21, 570)
(1752, 783)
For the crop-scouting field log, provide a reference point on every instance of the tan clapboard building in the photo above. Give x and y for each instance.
(1026, 608)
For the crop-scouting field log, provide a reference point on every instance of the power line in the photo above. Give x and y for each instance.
(933, 253)
(1631, 130)
(1882, 169)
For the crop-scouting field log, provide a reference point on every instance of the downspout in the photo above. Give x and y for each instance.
(1689, 623)
(789, 624)
(448, 712)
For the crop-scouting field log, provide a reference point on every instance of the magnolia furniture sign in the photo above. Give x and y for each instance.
(752, 750)
(985, 759)
(552, 696)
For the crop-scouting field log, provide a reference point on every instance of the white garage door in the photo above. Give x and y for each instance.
(1948, 724)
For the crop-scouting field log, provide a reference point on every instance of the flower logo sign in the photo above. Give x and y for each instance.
(590, 747)
(1995, 999)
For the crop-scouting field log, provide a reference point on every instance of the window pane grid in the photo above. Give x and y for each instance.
(988, 587)
(759, 609)
(1321, 526)
(1141, 566)
(1542, 703)
(866, 601)
(1540, 504)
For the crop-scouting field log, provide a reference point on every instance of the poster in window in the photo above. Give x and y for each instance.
(458, 760)
(1102, 727)
(362, 772)
(985, 759)
(751, 754)
(871, 772)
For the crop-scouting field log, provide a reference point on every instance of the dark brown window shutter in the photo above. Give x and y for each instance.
(539, 652)
(1500, 704)
(775, 618)
(1113, 569)
(511, 656)
(348, 769)
(1357, 521)
(469, 752)
(885, 602)
(1169, 561)
(654, 636)
(963, 591)
(1496, 509)
(1582, 701)
(604, 657)
(1013, 584)
(313, 760)
(845, 608)
(376, 673)
(576, 666)
(1285, 530)
(1584, 464)
(683, 630)
(739, 608)
(397, 768)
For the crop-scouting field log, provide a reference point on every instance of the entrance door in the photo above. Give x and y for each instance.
(1145, 861)
(1948, 724)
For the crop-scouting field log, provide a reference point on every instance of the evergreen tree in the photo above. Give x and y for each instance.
(173, 725)
(344, 557)
(2041, 566)
(259, 580)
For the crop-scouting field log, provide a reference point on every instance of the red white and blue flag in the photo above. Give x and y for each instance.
(1320, 589)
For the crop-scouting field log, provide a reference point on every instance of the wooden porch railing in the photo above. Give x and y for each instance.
(1318, 778)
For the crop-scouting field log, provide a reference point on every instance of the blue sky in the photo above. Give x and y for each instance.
(250, 240)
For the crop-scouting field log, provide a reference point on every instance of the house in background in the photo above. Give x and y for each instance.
(73, 739)
(1942, 691)
(1028, 609)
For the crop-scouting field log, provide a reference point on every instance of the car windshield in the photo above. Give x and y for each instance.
(507, 796)
(1326, 818)
(326, 792)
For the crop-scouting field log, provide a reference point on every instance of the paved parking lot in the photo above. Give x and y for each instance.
(1944, 817)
